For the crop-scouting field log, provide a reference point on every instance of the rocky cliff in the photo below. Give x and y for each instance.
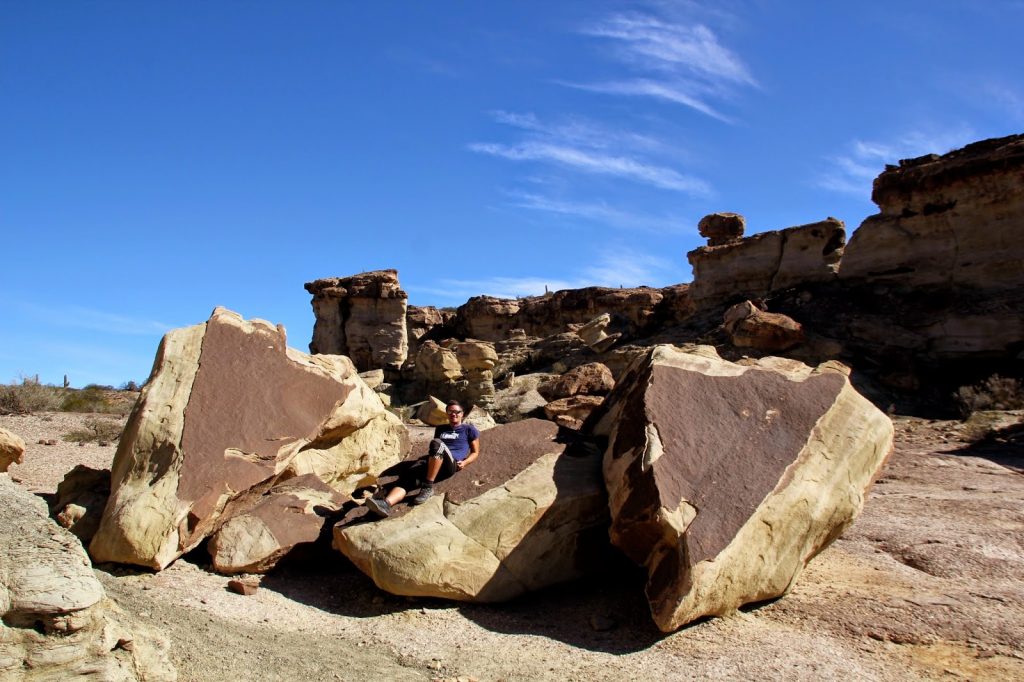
(935, 276)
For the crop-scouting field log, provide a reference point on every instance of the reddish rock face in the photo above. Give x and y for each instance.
(725, 480)
(246, 382)
(227, 413)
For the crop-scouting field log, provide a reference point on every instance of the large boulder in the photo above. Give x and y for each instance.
(228, 411)
(750, 327)
(526, 514)
(593, 378)
(725, 480)
(291, 513)
(12, 449)
(58, 623)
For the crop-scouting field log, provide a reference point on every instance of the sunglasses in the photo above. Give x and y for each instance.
(454, 412)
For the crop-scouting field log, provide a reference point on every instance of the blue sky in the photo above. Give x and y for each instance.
(162, 158)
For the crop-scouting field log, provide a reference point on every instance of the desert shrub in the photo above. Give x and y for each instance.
(130, 386)
(28, 395)
(994, 393)
(97, 429)
(92, 398)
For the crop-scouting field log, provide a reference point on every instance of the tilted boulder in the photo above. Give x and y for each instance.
(758, 265)
(12, 449)
(592, 378)
(291, 513)
(525, 515)
(432, 412)
(437, 365)
(725, 480)
(228, 411)
(361, 317)
(58, 623)
(750, 327)
(571, 412)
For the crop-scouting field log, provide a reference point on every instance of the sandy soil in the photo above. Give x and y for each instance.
(927, 584)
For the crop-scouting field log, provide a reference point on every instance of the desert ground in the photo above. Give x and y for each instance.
(928, 583)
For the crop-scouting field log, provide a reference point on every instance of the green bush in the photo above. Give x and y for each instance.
(29, 396)
(97, 429)
(92, 398)
(994, 393)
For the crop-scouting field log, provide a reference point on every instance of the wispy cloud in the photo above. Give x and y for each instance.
(853, 172)
(600, 212)
(657, 45)
(589, 161)
(674, 61)
(614, 268)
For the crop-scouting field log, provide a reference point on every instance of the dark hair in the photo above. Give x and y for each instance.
(454, 403)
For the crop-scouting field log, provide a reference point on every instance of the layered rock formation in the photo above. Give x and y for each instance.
(766, 262)
(493, 319)
(58, 623)
(525, 515)
(725, 480)
(934, 277)
(362, 317)
(939, 272)
(228, 412)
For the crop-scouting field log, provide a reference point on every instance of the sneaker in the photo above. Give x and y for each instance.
(378, 507)
(425, 493)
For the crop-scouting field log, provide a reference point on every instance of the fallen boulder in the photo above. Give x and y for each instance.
(750, 327)
(528, 513)
(291, 513)
(229, 411)
(58, 623)
(725, 480)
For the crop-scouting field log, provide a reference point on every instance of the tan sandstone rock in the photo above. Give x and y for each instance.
(228, 411)
(58, 623)
(12, 449)
(291, 513)
(572, 411)
(766, 262)
(523, 516)
(750, 327)
(592, 378)
(725, 480)
(432, 412)
(722, 228)
(361, 317)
